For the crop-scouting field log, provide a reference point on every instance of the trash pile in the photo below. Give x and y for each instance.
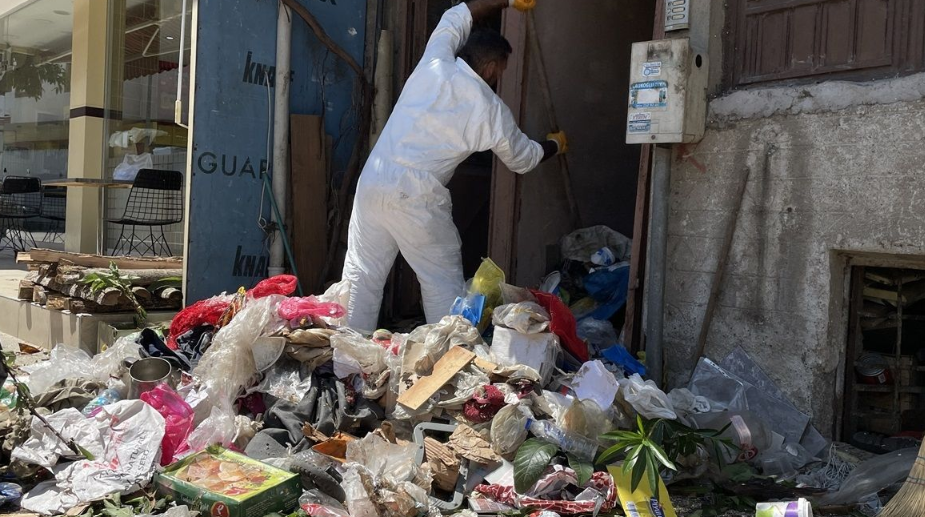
(260, 402)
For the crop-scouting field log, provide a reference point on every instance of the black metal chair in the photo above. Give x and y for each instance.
(155, 200)
(20, 200)
(54, 208)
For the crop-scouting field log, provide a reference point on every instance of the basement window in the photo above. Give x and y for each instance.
(885, 370)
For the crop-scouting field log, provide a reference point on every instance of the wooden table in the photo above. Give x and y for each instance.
(93, 183)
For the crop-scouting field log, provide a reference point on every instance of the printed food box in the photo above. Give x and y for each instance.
(222, 483)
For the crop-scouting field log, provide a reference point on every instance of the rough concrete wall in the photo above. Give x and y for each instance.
(587, 54)
(848, 179)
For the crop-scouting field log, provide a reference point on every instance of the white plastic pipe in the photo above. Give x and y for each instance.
(281, 133)
(178, 105)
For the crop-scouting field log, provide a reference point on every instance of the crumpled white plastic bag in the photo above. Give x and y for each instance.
(44, 449)
(131, 432)
(646, 398)
(63, 362)
(354, 354)
(525, 317)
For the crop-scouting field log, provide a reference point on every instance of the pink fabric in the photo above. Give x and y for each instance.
(298, 308)
(600, 481)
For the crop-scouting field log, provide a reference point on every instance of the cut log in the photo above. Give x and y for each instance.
(56, 302)
(141, 294)
(39, 295)
(26, 289)
(140, 277)
(171, 294)
(100, 261)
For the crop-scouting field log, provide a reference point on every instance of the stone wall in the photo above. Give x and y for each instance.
(828, 176)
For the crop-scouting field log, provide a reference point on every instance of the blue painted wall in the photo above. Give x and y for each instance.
(236, 44)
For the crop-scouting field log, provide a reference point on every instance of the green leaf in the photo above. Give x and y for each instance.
(583, 468)
(652, 471)
(532, 459)
(640, 424)
(661, 456)
(620, 436)
(631, 458)
(171, 281)
(639, 468)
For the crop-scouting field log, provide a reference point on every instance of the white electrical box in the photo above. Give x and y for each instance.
(668, 93)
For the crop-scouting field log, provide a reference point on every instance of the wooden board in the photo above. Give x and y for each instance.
(26, 288)
(309, 184)
(449, 365)
(78, 259)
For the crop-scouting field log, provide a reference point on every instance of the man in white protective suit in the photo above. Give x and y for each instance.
(447, 111)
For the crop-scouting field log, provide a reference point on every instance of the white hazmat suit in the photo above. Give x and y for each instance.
(445, 113)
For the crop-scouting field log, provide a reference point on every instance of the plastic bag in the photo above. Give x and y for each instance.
(562, 323)
(178, 420)
(386, 460)
(873, 476)
(318, 504)
(585, 418)
(600, 334)
(608, 287)
(284, 381)
(747, 430)
(617, 354)
(509, 429)
(203, 312)
(282, 285)
(219, 428)
(338, 293)
(525, 317)
(427, 344)
(723, 390)
(228, 365)
(594, 382)
(109, 364)
(9, 492)
(299, 308)
(471, 307)
(646, 398)
(63, 363)
(643, 501)
(487, 281)
(357, 485)
(581, 245)
(514, 294)
(354, 354)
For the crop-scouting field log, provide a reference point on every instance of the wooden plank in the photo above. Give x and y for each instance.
(505, 185)
(308, 181)
(632, 327)
(101, 261)
(448, 366)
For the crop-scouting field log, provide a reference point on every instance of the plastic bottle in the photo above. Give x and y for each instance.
(569, 442)
(105, 398)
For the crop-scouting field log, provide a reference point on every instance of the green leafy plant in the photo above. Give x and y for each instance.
(114, 279)
(643, 450)
(29, 77)
(679, 440)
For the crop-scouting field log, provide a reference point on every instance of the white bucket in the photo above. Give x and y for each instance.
(800, 508)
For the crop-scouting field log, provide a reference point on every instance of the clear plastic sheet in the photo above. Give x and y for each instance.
(508, 429)
(646, 398)
(526, 317)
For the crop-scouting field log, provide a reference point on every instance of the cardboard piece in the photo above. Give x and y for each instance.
(222, 483)
(446, 368)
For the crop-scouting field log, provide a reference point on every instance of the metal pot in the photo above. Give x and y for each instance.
(873, 369)
(145, 374)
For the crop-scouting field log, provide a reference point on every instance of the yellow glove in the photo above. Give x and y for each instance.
(560, 140)
(523, 5)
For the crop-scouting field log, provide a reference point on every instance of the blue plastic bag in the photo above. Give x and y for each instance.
(617, 354)
(10, 493)
(471, 307)
(609, 288)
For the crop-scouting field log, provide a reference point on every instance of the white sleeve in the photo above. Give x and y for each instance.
(518, 152)
(450, 35)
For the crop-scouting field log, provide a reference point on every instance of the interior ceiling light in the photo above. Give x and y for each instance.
(169, 37)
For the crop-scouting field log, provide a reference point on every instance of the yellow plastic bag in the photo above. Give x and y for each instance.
(487, 282)
(642, 502)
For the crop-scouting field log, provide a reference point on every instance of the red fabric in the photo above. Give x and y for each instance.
(484, 404)
(562, 323)
(203, 312)
(298, 308)
(600, 481)
(281, 284)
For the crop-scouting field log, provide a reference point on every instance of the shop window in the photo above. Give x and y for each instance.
(142, 75)
(771, 40)
(885, 370)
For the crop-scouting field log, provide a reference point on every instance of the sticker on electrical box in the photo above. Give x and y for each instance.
(640, 123)
(652, 69)
(649, 94)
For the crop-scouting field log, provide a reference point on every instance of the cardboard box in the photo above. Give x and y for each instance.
(109, 333)
(221, 483)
